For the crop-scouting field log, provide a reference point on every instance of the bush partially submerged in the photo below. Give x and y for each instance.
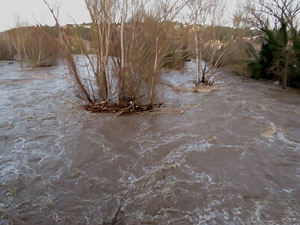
(33, 47)
(131, 46)
(237, 57)
(41, 49)
(6, 50)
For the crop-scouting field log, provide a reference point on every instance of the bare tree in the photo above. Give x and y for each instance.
(240, 18)
(130, 44)
(205, 16)
(199, 13)
(103, 14)
(41, 48)
(54, 9)
(146, 38)
(18, 38)
(164, 14)
(271, 13)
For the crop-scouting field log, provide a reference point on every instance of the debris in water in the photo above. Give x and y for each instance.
(120, 110)
(212, 139)
(196, 89)
(42, 76)
(269, 133)
(263, 107)
(73, 105)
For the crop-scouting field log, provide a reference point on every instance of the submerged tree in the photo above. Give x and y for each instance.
(6, 48)
(31, 46)
(130, 44)
(18, 38)
(206, 16)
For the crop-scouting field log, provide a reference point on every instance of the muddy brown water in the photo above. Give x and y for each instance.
(231, 156)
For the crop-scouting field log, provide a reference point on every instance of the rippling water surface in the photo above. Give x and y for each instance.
(231, 156)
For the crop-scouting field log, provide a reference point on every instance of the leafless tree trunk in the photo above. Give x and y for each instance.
(55, 13)
(205, 15)
(129, 48)
(285, 72)
(18, 40)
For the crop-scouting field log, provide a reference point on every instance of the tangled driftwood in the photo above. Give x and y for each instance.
(119, 110)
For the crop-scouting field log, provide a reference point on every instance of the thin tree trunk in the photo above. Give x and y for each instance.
(20, 59)
(73, 65)
(39, 54)
(284, 77)
(68, 52)
(197, 52)
(77, 79)
(153, 75)
(122, 78)
(197, 61)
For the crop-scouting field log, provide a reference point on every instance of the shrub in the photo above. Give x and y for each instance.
(6, 52)
(41, 49)
(33, 47)
(237, 57)
(140, 41)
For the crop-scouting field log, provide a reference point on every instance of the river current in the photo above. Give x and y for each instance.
(229, 156)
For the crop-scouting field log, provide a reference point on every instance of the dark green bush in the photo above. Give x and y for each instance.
(280, 49)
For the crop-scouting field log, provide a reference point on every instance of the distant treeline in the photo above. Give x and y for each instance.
(271, 54)
(31, 46)
(38, 46)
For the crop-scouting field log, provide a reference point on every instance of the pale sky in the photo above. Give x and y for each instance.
(35, 12)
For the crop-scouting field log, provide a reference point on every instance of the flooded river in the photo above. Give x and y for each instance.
(231, 156)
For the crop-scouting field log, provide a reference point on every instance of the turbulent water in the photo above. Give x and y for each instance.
(230, 156)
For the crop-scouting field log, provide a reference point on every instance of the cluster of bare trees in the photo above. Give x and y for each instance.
(206, 16)
(6, 50)
(31, 46)
(272, 13)
(34, 47)
(131, 39)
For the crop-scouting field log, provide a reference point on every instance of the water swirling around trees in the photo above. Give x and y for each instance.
(230, 156)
